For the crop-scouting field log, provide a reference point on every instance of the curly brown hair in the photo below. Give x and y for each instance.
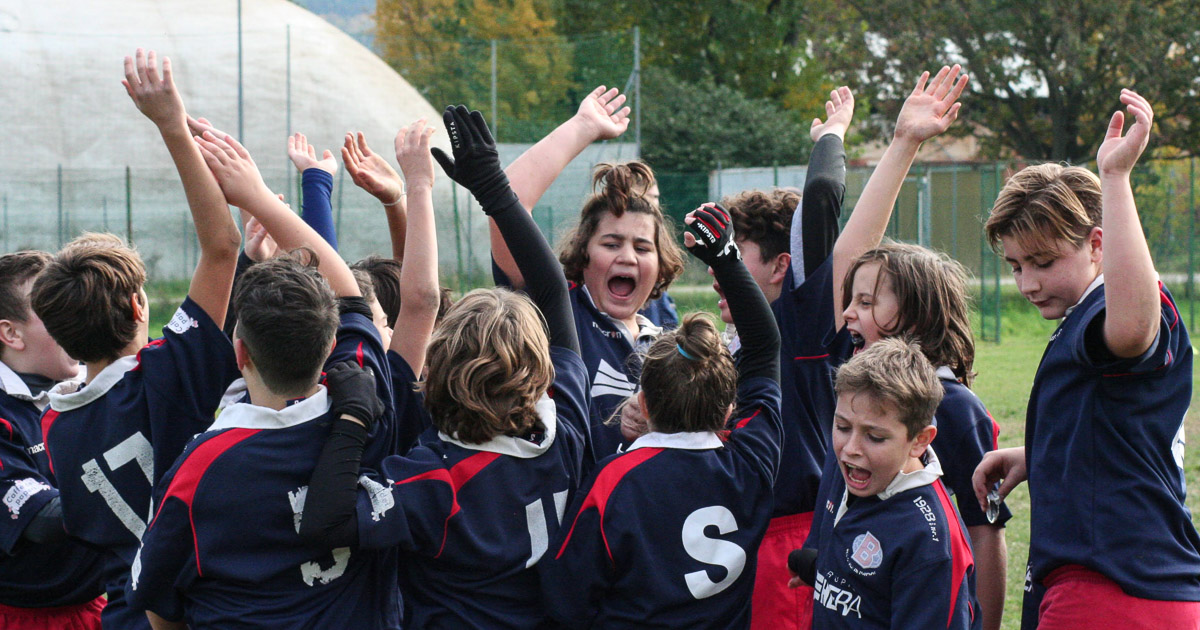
(931, 302)
(708, 378)
(764, 218)
(617, 189)
(489, 364)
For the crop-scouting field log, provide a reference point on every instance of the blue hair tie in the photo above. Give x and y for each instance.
(684, 353)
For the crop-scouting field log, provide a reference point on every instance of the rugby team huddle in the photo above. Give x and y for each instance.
(312, 444)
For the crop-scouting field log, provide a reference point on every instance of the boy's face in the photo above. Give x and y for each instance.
(40, 354)
(873, 306)
(767, 275)
(380, 319)
(872, 445)
(1053, 281)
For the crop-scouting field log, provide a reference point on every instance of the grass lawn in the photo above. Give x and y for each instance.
(1005, 375)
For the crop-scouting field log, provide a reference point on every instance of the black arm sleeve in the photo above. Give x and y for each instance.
(544, 279)
(330, 518)
(755, 322)
(821, 205)
(243, 263)
(47, 525)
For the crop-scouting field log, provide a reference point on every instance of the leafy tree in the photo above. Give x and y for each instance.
(1045, 74)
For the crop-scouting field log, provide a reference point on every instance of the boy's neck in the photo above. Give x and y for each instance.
(262, 396)
(95, 367)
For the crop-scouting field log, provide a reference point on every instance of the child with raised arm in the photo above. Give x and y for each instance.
(46, 581)
(665, 534)
(1111, 539)
(109, 439)
(189, 569)
(472, 511)
(620, 257)
(892, 552)
(316, 185)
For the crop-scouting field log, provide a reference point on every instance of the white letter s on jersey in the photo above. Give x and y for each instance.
(712, 550)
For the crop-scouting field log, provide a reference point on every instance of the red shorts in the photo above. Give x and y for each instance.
(774, 606)
(85, 616)
(1078, 597)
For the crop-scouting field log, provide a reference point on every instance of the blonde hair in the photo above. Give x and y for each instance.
(617, 189)
(1044, 205)
(896, 374)
(689, 378)
(489, 363)
(931, 302)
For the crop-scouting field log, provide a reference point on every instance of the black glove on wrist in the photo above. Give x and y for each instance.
(713, 229)
(352, 391)
(476, 163)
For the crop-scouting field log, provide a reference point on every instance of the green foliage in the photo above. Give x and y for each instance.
(694, 125)
(1045, 74)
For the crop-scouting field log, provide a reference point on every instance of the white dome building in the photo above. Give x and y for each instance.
(64, 108)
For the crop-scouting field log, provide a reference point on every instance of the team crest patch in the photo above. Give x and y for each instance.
(867, 552)
(181, 322)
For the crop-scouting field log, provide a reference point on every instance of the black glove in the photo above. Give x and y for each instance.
(352, 390)
(476, 163)
(713, 229)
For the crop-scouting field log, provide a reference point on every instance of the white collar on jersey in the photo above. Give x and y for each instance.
(233, 394)
(67, 396)
(646, 328)
(515, 446)
(946, 374)
(687, 440)
(903, 481)
(1091, 287)
(248, 416)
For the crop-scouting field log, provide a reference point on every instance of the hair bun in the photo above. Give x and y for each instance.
(699, 339)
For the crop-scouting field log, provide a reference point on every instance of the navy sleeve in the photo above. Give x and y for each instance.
(23, 488)
(408, 506)
(756, 428)
(970, 433)
(317, 212)
(185, 375)
(412, 418)
(571, 391)
(821, 204)
(358, 341)
(1090, 350)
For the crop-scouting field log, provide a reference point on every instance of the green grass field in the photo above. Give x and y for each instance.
(1005, 375)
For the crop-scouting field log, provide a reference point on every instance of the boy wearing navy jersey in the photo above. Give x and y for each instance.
(110, 439)
(891, 550)
(46, 580)
(472, 510)
(1111, 539)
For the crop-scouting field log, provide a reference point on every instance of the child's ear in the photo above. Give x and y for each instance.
(140, 307)
(1095, 238)
(779, 268)
(924, 437)
(242, 354)
(10, 336)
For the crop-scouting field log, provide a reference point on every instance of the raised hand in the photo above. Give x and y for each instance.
(370, 171)
(932, 106)
(413, 155)
(153, 94)
(709, 235)
(259, 244)
(234, 169)
(1118, 154)
(304, 156)
(601, 112)
(476, 163)
(839, 111)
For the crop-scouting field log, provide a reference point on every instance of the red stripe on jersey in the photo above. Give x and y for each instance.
(606, 483)
(358, 354)
(572, 285)
(456, 478)
(960, 551)
(744, 421)
(1162, 296)
(191, 471)
(812, 358)
(48, 419)
(154, 343)
(995, 430)
(5, 424)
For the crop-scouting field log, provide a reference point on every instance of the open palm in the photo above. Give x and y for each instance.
(1118, 154)
(602, 111)
(932, 106)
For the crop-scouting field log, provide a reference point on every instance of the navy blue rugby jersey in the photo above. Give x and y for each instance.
(223, 549)
(358, 341)
(412, 419)
(899, 559)
(965, 433)
(662, 312)
(666, 534)
(809, 355)
(472, 520)
(1104, 447)
(45, 575)
(109, 442)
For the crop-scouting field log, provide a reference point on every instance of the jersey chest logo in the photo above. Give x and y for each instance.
(867, 552)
